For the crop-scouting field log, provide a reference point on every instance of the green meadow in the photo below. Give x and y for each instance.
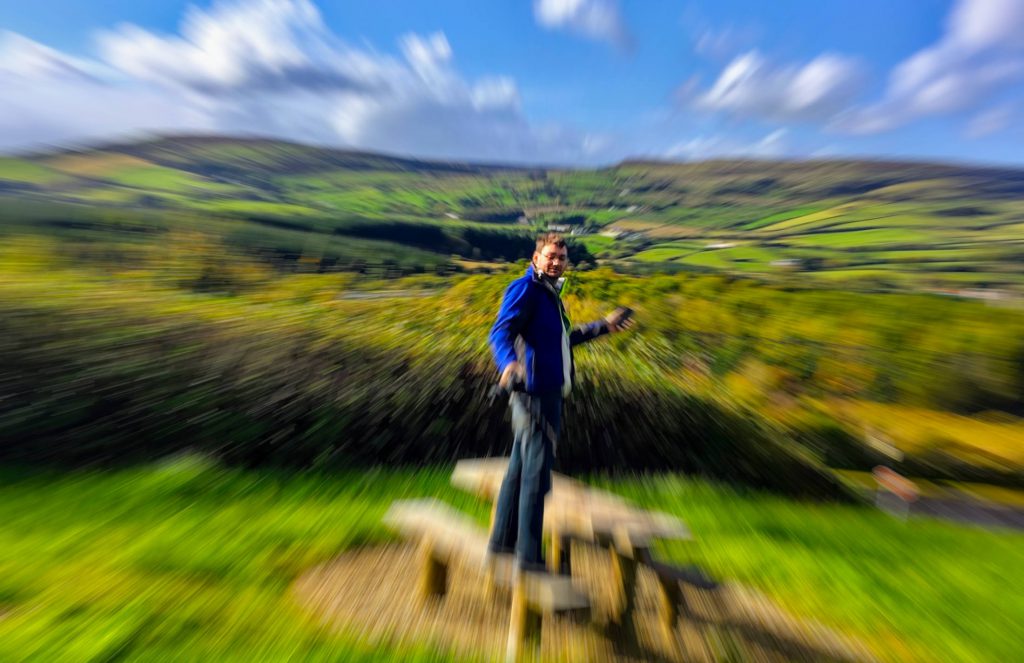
(188, 560)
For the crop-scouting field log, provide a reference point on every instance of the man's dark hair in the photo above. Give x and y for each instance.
(551, 239)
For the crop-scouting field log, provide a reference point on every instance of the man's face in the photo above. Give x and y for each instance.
(551, 260)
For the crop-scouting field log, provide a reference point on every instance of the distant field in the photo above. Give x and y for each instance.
(708, 259)
(97, 166)
(864, 238)
(595, 243)
(669, 251)
(21, 171)
(829, 216)
(159, 178)
(781, 216)
(661, 254)
(804, 221)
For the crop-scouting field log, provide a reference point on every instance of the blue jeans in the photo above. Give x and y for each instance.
(519, 516)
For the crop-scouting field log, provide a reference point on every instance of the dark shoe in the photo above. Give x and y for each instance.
(532, 567)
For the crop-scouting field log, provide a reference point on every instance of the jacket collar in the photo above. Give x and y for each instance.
(539, 277)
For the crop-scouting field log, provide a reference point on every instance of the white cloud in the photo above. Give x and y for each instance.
(272, 67)
(980, 53)
(772, 145)
(979, 24)
(427, 56)
(597, 19)
(990, 121)
(259, 45)
(22, 60)
(750, 86)
(51, 98)
(723, 43)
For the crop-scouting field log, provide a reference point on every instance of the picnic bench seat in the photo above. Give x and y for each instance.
(446, 535)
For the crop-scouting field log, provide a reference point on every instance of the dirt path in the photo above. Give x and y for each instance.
(371, 592)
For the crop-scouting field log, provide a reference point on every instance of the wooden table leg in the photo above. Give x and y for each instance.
(559, 560)
(555, 552)
(565, 559)
(524, 625)
(624, 578)
(434, 574)
(669, 596)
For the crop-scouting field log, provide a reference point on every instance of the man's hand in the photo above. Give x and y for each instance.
(513, 369)
(619, 320)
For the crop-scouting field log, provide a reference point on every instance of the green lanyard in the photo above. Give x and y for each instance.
(565, 316)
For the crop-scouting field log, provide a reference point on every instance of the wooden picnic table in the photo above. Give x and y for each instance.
(574, 510)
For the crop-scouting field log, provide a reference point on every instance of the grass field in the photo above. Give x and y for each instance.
(180, 561)
(186, 560)
(662, 253)
(26, 172)
(781, 216)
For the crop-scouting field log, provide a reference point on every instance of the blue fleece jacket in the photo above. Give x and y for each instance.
(532, 310)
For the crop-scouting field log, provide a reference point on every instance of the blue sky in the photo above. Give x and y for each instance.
(541, 81)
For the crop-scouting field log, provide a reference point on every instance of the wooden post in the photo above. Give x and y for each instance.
(490, 583)
(670, 597)
(555, 553)
(559, 560)
(434, 575)
(524, 624)
(624, 575)
(565, 558)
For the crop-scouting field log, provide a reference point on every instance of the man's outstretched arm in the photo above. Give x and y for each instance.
(614, 322)
(588, 332)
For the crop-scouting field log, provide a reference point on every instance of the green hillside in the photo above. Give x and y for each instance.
(241, 219)
(851, 222)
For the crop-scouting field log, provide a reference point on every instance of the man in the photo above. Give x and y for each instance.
(533, 320)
